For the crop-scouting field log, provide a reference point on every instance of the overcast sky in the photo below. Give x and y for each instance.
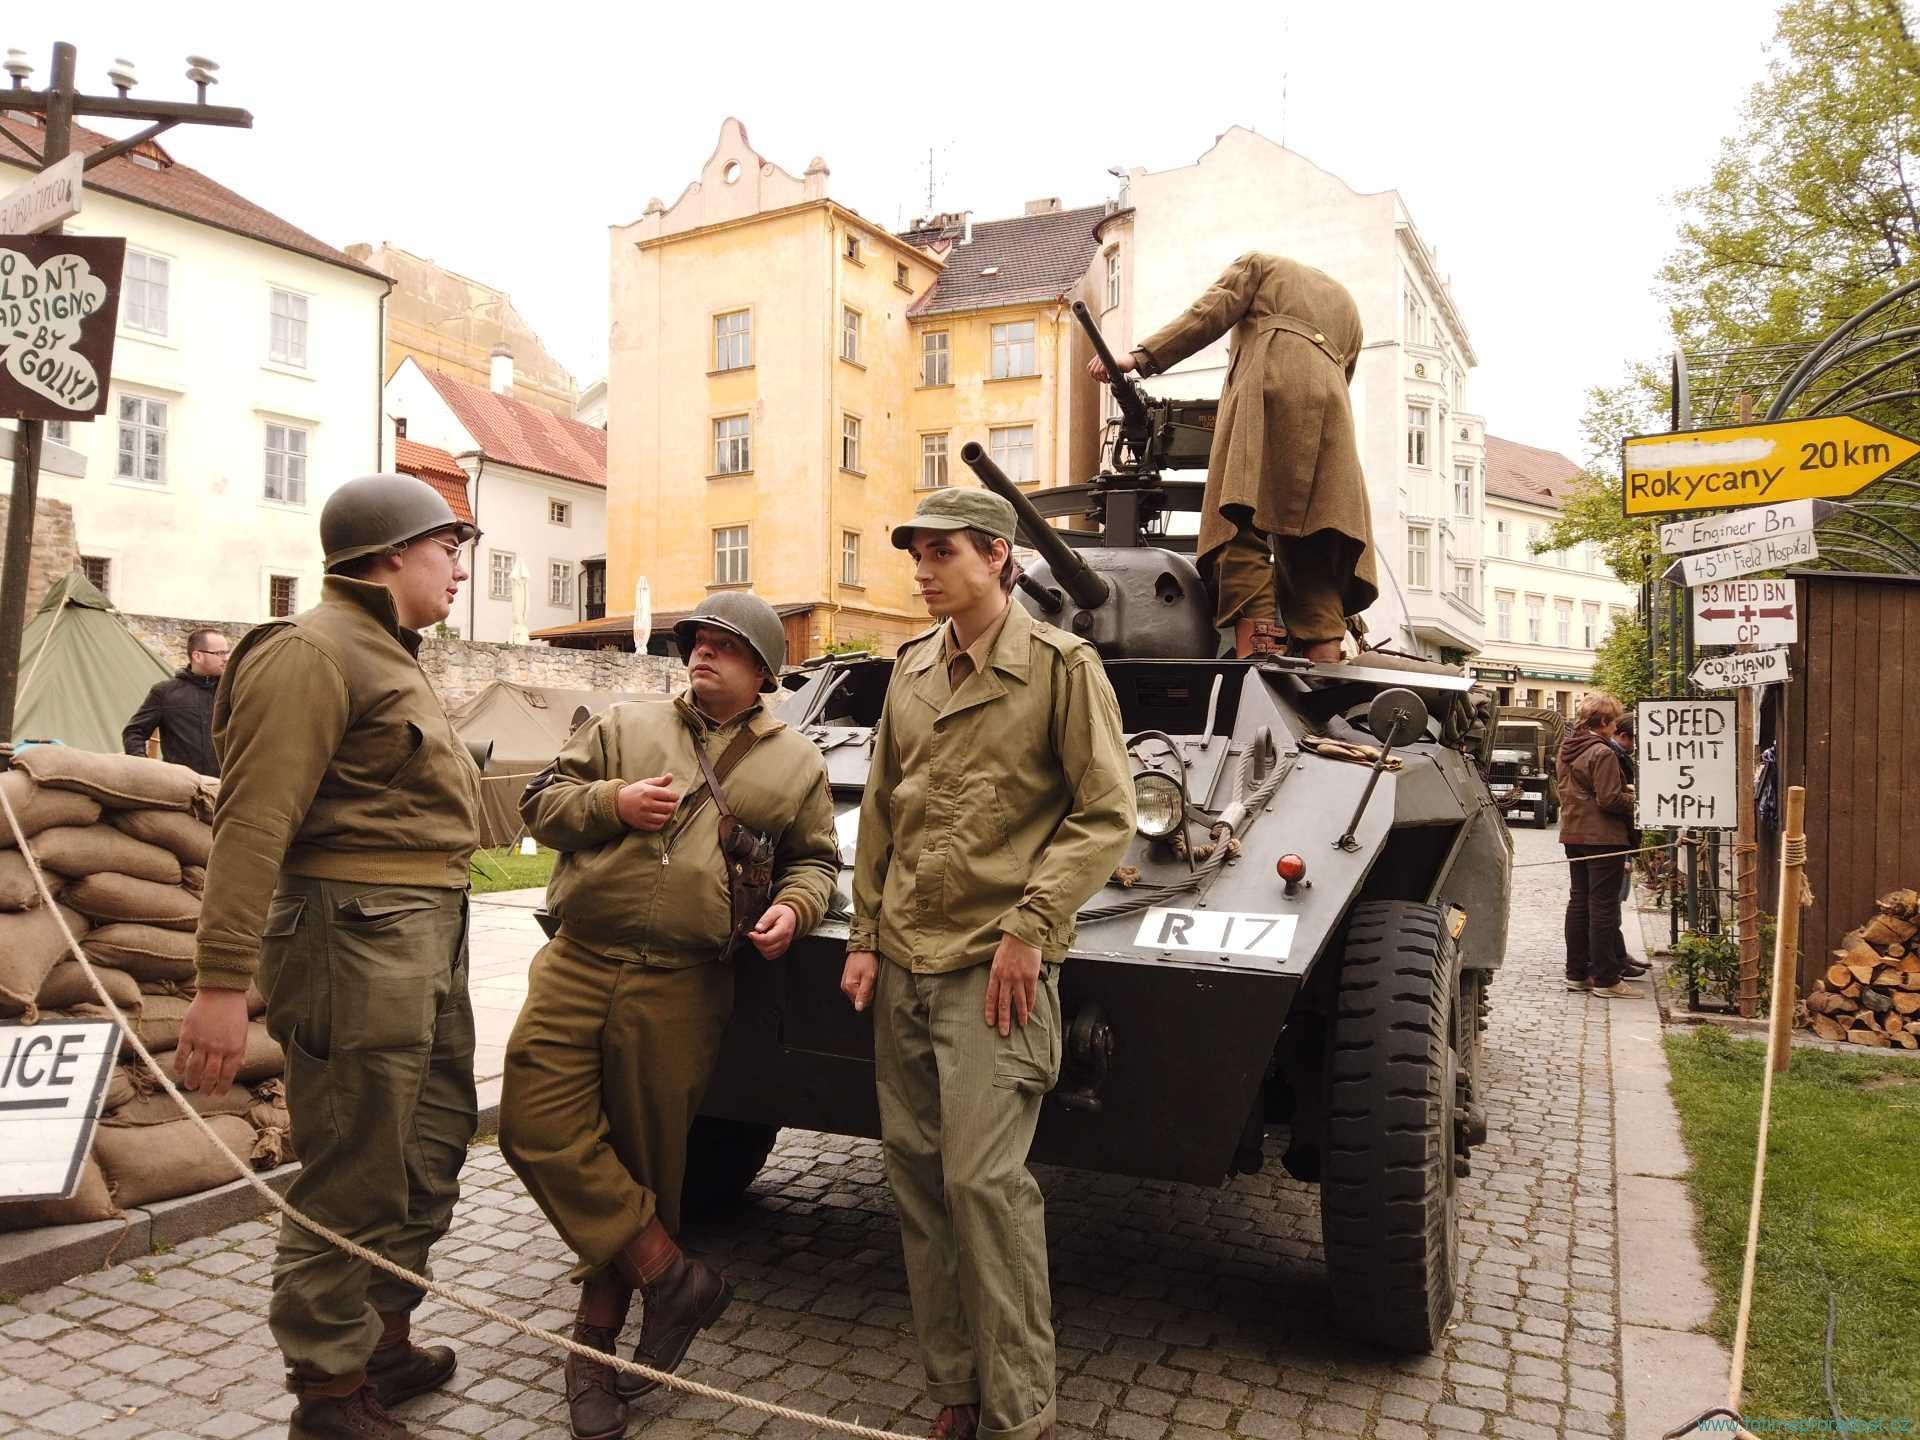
(1537, 146)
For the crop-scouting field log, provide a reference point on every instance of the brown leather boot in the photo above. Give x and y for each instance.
(682, 1297)
(398, 1369)
(338, 1407)
(957, 1422)
(595, 1410)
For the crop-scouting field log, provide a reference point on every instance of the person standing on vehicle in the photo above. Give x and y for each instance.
(999, 801)
(1596, 818)
(348, 813)
(626, 1005)
(181, 708)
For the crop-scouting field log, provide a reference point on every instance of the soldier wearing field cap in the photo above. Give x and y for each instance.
(348, 813)
(626, 1005)
(998, 803)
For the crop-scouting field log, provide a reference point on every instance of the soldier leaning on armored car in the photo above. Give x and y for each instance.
(348, 813)
(627, 1003)
(999, 802)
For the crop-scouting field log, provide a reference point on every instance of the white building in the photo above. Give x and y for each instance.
(1546, 613)
(1422, 448)
(537, 488)
(245, 387)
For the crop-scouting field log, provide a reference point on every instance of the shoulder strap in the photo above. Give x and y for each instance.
(735, 752)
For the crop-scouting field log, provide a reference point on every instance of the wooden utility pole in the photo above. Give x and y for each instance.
(1746, 854)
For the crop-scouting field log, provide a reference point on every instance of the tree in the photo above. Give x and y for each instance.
(1594, 509)
(1621, 666)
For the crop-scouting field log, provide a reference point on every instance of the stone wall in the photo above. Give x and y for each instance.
(461, 669)
(56, 551)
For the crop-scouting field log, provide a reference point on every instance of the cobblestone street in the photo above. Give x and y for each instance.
(1182, 1313)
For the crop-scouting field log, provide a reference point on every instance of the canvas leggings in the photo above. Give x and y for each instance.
(1293, 577)
(366, 990)
(1595, 948)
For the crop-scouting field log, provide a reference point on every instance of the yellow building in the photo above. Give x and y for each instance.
(784, 376)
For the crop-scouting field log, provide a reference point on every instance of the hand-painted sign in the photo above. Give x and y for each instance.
(1745, 612)
(53, 1077)
(59, 303)
(1740, 527)
(45, 200)
(1747, 559)
(1750, 667)
(1685, 763)
(1832, 456)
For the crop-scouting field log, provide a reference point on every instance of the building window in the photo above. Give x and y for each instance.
(850, 443)
(1013, 350)
(1535, 534)
(933, 357)
(1535, 604)
(900, 275)
(560, 584)
(733, 340)
(1416, 316)
(1113, 278)
(500, 575)
(1417, 418)
(852, 251)
(1420, 557)
(933, 461)
(287, 464)
(732, 445)
(59, 432)
(1590, 555)
(288, 342)
(1502, 538)
(730, 555)
(1463, 584)
(1503, 615)
(1590, 626)
(849, 334)
(99, 572)
(1011, 448)
(143, 292)
(559, 512)
(1463, 491)
(283, 596)
(849, 557)
(1563, 623)
(1617, 612)
(143, 440)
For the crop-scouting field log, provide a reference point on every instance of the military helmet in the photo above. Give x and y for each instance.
(747, 616)
(377, 514)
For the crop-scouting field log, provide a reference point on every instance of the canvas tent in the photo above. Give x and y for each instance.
(82, 672)
(527, 725)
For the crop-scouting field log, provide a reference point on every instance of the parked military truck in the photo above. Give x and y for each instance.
(1526, 749)
(1298, 943)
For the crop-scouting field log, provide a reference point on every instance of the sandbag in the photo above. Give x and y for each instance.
(90, 1201)
(188, 838)
(17, 890)
(31, 944)
(263, 1060)
(146, 1163)
(108, 898)
(119, 782)
(38, 808)
(146, 952)
(67, 984)
(160, 1021)
(122, 1088)
(79, 850)
(160, 1108)
(194, 877)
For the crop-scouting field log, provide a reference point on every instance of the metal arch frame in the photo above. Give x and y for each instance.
(1815, 360)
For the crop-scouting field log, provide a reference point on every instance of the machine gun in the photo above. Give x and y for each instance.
(1136, 423)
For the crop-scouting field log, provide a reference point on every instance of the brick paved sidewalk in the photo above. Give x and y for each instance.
(1182, 1313)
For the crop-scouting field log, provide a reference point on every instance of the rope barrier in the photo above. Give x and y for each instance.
(1609, 855)
(340, 1242)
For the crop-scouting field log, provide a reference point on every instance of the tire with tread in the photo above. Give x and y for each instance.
(1387, 1207)
(723, 1156)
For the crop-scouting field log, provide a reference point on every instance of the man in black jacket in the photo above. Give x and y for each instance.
(182, 708)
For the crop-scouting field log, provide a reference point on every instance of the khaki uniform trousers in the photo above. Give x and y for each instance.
(366, 989)
(958, 1108)
(1294, 580)
(605, 1072)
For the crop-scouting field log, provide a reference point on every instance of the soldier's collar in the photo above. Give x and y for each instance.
(756, 716)
(376, 600)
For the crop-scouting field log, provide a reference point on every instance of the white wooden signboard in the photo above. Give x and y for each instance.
(53, 1077)
(1748, 667)
(1686, 759)
(1746, 612)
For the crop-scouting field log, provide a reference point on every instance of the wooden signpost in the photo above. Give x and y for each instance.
(1828, 458)
(59, 305)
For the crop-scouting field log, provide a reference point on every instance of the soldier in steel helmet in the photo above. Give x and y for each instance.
(347, 816)
(998, 803)
(627, 1003)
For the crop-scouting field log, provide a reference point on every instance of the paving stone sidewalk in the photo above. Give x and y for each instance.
(1182, 1313)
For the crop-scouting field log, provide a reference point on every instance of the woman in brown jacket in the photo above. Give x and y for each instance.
(1596, 819)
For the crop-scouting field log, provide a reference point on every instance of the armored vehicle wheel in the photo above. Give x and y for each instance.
(723, 1156)
(1387, 1206)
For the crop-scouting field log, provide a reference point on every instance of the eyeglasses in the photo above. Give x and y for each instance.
(457, 551)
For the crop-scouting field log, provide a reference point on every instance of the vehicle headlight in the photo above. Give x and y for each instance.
(1158, 804)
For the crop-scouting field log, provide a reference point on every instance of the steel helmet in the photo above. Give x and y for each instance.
(747, 616)
(377, 514)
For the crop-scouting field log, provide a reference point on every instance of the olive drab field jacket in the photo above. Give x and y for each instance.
(998, 808)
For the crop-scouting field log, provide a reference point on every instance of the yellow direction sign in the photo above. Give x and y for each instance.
(1823, 458)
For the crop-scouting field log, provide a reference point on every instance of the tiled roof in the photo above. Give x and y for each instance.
(179, 190)
(1009, 262)
(1528, 473)
(516, 433)
(438, 469)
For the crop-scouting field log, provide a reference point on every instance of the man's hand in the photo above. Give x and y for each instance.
(1097, 368)
(647, 804)
(774, 933)
(213, 1040)
(858, 979)
(1013, 984)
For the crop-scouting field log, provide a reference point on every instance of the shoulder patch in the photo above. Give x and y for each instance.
(1062, 641)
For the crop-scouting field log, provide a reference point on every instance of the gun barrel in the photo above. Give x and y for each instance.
(1076, 577)
(1124, 391)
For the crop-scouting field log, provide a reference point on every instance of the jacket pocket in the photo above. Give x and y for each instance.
(382, 909)
(416, 743)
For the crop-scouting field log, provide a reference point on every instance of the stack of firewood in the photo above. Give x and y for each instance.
(1870, 994)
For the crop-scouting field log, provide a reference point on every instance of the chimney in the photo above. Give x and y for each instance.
(400, 427)
(500, 371)
(1046, 205)
(966, 235)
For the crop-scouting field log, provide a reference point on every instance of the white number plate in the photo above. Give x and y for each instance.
(1218, 932)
